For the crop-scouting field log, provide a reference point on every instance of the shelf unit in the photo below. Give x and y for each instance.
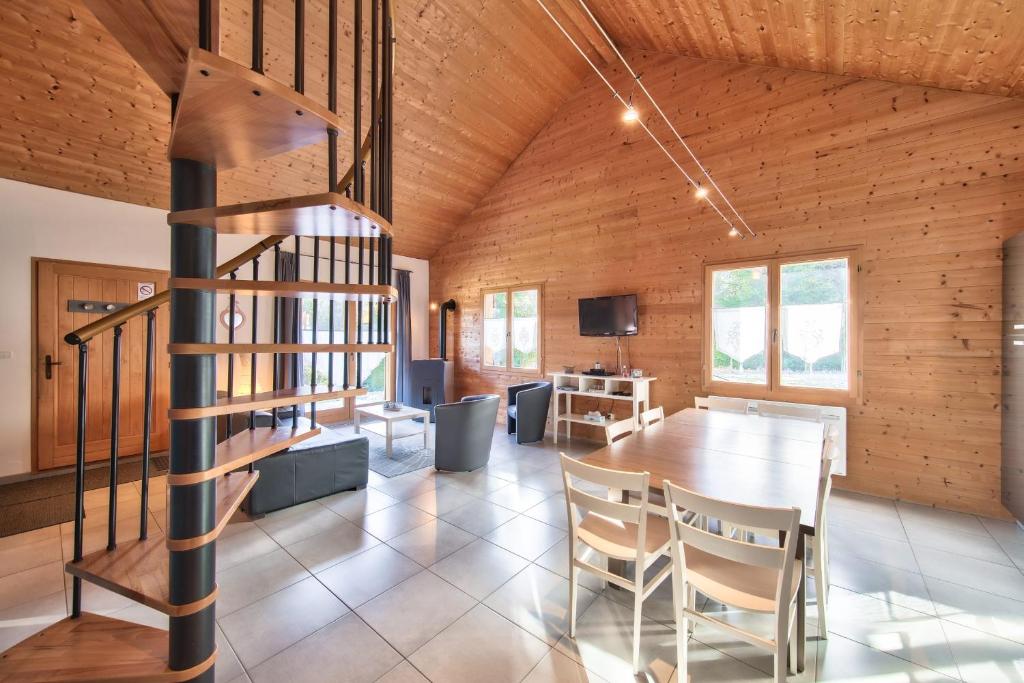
(636, 391)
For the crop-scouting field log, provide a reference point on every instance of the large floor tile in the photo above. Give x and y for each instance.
(479, 517)
(557, 668)
(841, 660)
(440, 500)
(229, 667)
(31, 584)
(480, 646)
(849, 542)
(330, 547)
(477, 483)
(545, 481)
(538, 602)
(516, 497)
(878, 521)
(479, 568)
(368, 574)
(985, 576)
(604, 644)
(292, 525)
(270, 625)
(551, 511)
(525, 537)
(914, 515)
(403, 673)
(394, 520)
(880, 581)
(247, 582)
(407, 486)
(904, 633)
(242, 542)
(348, 645)
(978, 610)
(431, 542)
(981, 658)
(414, 611)
(354, 505)
(972, 545)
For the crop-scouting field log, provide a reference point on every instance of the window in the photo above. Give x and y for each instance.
(373, 371)
(782, 328)
(512, 335)
(323, 360)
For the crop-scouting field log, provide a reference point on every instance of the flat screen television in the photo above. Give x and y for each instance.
(608, 316)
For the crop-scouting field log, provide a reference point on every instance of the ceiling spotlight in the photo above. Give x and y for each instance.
(702, 192)
(733, 232)
(631, 114)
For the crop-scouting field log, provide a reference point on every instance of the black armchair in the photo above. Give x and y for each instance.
(527, 412)
(462, 438)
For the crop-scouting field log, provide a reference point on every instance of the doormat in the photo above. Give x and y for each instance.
(48, 500)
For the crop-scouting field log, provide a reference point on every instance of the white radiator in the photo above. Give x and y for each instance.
(830, 415)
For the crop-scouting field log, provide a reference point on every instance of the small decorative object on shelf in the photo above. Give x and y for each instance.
(393, 406)
(569, 369)
(636, 372)
(594, 416)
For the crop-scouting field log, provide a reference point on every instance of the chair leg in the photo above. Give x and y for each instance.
(691, 600)
(638, 604)
(574, 572)
(682, 628)
(821, 588)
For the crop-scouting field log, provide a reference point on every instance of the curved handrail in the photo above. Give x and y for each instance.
(87, 332)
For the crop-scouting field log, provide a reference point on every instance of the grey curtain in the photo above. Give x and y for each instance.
(403, 336)
(285, 309)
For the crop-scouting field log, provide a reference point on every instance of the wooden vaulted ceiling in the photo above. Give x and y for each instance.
(476, 81)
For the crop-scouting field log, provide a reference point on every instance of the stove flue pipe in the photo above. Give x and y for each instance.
(443, 328)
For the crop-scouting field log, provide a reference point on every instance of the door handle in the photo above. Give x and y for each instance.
(49, 362)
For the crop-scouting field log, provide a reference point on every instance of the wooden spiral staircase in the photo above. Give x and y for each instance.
(225, 115)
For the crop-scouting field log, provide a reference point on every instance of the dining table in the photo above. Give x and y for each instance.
(743, 458)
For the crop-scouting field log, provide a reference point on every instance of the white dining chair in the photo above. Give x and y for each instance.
(616, 429)
(746, 576)
(623, 531)
(700, 402)
(819, 544)
(728, 405)
(651, 416)
(790, 410)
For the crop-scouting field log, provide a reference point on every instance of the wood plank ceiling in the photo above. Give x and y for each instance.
(975, 46)
(476, 80)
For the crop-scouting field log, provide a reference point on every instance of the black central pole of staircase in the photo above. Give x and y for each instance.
(193, 385)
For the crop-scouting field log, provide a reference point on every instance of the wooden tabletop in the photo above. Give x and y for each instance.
(744, 458)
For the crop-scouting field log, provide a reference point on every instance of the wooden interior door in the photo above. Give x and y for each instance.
(57, 283)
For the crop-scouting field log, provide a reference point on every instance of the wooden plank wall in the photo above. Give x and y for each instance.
(928, 183)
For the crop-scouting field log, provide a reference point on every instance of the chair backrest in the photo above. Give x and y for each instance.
(730, 405)
(649, 417)
(792, 411)
(701, 402)
(464, 431)
(828, 454)
(577, 500)
(781, 559)
(617, 429)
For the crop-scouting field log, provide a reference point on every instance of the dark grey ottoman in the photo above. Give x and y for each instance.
(317, 467)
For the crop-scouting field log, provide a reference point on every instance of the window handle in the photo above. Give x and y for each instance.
(775, 336)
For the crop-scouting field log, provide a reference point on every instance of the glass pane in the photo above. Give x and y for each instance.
(815, 307)
(525, 331)
(373, 371)
(495, 310)
(739, 314)
(323, 360)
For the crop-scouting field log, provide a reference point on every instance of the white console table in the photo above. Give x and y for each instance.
(633, 390)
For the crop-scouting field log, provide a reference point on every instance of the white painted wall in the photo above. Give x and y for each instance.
(47, 223)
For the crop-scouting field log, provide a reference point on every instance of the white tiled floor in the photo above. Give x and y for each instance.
(461, 578)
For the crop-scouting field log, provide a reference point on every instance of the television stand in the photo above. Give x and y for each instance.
(636, 391)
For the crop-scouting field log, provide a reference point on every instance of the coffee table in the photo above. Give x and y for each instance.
(389, 417)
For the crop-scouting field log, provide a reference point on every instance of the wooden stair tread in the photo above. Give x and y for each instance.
(220, 118)
(328, 214)
(243, 448)
(323, 290)
(93, 648)
(231, 491)
(199, 349)
(265, 401)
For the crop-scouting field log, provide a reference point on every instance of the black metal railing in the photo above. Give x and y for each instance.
(368, 182)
